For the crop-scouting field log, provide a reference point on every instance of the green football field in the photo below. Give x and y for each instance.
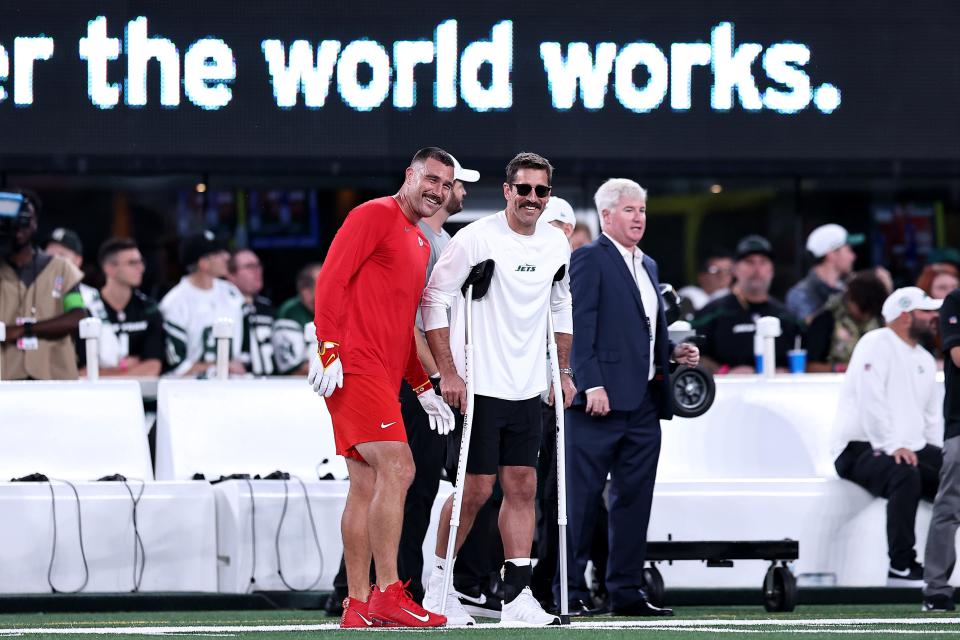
(836, 621)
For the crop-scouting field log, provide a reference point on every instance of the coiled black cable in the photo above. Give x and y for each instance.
(53, 550)
(313, 526)
(138, 548)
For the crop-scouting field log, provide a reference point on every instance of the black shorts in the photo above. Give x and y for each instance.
(504, 433)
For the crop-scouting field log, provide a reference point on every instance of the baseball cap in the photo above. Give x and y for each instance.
(199, 245)
(464, 175)
(908, 299)
(753, 244)
(558, 209)
(68, 238)
(828, 237)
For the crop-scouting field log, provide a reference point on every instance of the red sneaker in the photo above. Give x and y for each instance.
(355, 615)
(395, 607)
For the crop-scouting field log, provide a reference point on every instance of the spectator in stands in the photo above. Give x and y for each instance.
(246, 274)
(941, 555)
(66, 244)
(729, 323)
(830, 245)
(621, 355)
(289, 345)
(192, 307)
(889, 422)
(944, 256)
(847, 316)
(713, 281)
(885, 277)
(40, 300)
(427, 448)
(581, 235)
(129, 314)
(938, 280)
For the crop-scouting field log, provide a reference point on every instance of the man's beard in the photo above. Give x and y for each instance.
(454, 206)
(922, 332)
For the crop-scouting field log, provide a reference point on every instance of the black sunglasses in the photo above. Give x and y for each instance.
(524, 189)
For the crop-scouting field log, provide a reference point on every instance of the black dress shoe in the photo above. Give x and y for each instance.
(581, 608)
(641, 608)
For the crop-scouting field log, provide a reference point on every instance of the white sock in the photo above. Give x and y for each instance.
(519, 562)
(439, 564)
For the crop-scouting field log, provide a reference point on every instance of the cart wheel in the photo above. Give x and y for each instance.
(779, 590)
(693, 391)
(653, 581)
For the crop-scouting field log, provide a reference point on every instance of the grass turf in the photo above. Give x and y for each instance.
(726, 622)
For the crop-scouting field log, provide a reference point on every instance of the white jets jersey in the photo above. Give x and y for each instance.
(510, 322)
(189, 314)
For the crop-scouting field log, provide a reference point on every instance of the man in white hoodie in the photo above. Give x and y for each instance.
(889, 428)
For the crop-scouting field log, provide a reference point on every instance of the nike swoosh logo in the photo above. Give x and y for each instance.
(367, 622)
(425, 618)
(389, 424)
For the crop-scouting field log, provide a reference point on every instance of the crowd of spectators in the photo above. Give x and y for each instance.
(825, 313)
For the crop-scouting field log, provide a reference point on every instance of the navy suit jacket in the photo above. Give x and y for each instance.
(611, 346)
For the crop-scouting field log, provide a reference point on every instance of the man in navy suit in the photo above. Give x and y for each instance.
(620, 359)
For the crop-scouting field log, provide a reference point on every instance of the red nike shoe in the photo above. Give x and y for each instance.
(355, 615)
(395, 607)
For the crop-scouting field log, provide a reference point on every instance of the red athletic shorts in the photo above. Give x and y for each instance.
(366, 409)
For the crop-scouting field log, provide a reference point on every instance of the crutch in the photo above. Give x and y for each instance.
(3, 338)
(474, 288)
(561, 460)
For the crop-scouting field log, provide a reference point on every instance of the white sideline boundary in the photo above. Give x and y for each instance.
(814, 625)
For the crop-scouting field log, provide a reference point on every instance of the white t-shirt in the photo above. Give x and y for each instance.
(189, 314)
(510, 322)
(889, 396)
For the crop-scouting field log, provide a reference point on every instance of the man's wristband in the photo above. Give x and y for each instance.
(566, 370)
(28, 329)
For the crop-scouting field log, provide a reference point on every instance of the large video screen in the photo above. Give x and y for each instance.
(285, 79)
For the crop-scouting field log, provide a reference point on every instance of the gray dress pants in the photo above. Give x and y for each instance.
(941, 555)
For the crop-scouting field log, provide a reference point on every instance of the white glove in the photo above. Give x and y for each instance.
(441, 417)
(325, 380)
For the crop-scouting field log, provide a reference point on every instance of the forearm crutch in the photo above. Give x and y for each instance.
(561, 460)
(474, 288)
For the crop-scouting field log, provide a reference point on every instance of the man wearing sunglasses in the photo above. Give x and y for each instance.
(509, 331)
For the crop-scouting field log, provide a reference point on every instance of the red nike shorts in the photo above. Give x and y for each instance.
(366, 409)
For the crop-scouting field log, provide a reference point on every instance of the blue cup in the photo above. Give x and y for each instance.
(797, 359)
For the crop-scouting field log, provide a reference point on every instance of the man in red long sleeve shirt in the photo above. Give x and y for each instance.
(366, 301)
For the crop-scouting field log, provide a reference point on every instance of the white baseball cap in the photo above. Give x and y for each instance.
(464, 175)
(829, 237)
(908, 299)
(558, 209)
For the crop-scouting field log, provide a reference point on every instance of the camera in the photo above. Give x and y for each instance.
(15, 215)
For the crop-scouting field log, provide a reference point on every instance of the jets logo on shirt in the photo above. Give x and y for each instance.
(526, 268)
(952, 320)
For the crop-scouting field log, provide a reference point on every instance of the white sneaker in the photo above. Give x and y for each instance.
(457, 616)
(525, 611)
